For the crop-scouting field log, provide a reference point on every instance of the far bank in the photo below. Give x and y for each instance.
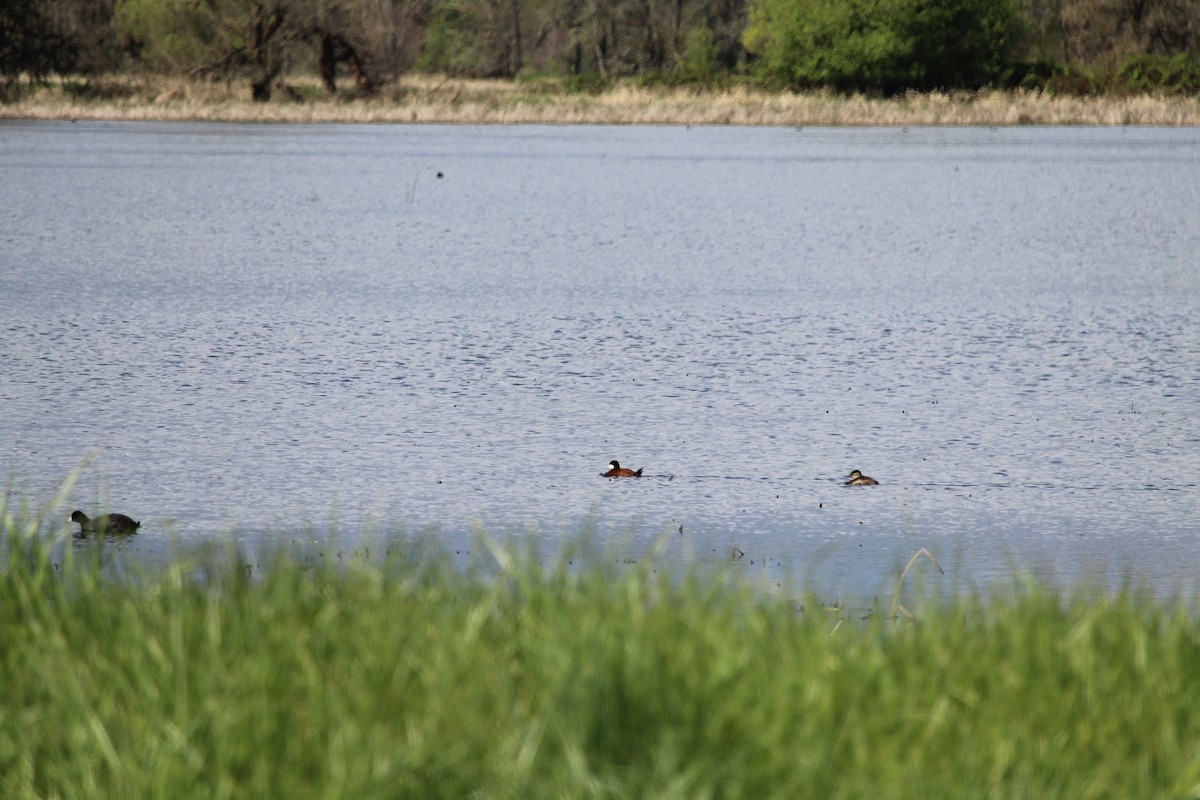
(426, 99)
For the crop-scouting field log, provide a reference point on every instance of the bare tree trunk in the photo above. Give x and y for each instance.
(327, 64)
(676, 34)
(267, 66)
(514, 54)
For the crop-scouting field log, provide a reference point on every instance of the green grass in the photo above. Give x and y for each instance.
(413, 678)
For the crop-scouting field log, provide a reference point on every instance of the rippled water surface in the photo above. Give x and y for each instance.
(323, 331)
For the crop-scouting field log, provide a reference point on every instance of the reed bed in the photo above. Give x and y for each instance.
(409, 677)
(426, 99)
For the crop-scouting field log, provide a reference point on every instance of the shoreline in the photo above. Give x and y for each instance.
(433, 100)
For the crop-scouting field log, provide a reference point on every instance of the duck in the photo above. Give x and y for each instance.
(615, 470)
(858, 479)
(105, 523)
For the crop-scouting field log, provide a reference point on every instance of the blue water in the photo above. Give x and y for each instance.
(303, 333)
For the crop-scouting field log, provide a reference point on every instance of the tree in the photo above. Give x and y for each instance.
(27, 44)
(259, 39)
(375, 40)
(959, 43)
(1104, 33)
(248, 38)
(881, 45)
(482, 38)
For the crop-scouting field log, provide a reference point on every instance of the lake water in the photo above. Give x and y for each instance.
(323, 334)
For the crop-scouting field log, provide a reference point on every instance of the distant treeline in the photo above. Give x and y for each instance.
(874, 46)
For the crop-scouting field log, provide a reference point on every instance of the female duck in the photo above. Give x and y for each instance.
(105, 523)
(615, 470)
(858, 479)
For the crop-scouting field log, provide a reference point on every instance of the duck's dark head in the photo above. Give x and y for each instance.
(614, 464)
(854, 474)
(80, 517)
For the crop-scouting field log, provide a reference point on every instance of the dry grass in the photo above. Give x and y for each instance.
(431, 99)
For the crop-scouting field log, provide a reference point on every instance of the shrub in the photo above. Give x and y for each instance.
(699, 59)
(448, 42)
(882, 45)
(585, 83)
(1073, 82)
(1033, 76)
(1177, 74)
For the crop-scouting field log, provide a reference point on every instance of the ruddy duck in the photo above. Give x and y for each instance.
(615, 470)
(858, 479)
(105, 523)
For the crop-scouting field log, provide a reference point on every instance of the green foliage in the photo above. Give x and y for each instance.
(1177, 74)
(876, 46)
(448, 40)
(881, 45)
(28, 44)
(1073, 82)
(961, 43)
(410, 678)
(1033, 75)
(698, 62)
(585, 83)
(478, 38)
(168, 34)
(249, 38)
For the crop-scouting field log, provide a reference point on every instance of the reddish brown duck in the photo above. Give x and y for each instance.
(615, 470)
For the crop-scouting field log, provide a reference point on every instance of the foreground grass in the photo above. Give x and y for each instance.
(413, 679)
(425, 99)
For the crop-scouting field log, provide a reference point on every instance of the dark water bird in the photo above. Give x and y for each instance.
(615, 470)
(105, 523)
(858, 479)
